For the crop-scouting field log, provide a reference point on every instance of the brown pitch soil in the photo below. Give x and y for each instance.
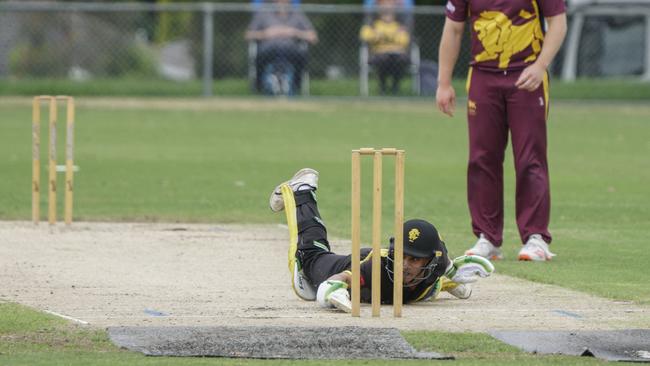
(114, 274)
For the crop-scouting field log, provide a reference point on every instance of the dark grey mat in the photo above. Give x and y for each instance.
(268, 342)
(615, 345)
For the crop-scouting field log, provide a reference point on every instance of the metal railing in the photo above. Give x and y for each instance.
(205, 43)
(602, 14)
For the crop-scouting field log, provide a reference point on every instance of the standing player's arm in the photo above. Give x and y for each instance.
(452, 35)
(532, 76)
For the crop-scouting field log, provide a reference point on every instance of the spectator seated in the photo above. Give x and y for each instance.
(279, 36)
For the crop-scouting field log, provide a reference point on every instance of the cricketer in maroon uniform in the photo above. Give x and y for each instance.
(507, 87)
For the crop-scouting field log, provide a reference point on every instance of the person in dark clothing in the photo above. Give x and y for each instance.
(282, 34)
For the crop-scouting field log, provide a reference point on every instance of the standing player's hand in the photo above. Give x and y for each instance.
(446, 99)
(531, 77)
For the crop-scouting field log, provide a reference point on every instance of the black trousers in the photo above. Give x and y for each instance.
(296, 56)
(317, 260)
(389, 65)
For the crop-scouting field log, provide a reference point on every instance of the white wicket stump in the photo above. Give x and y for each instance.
(53, 168)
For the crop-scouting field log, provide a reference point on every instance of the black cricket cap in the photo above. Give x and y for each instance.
(421, 239)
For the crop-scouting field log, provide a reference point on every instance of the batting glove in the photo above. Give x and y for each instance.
(468, 269)
(334, 294)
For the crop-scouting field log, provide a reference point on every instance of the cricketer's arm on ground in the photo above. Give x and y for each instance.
(468, 269)
(459, 276)
(463, 270)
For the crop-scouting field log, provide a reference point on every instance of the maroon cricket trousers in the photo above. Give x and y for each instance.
(494, 108)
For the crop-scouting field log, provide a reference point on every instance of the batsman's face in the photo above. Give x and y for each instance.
(413, 267)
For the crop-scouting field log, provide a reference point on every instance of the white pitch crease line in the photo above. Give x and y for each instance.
(66, 317)
(172, 317)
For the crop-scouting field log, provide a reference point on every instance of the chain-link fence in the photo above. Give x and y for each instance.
(212, 48)
(607, 41)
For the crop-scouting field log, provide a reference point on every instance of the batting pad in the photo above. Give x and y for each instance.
(269, 342)
(614, 345)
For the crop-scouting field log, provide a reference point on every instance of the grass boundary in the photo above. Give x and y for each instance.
(582, 89)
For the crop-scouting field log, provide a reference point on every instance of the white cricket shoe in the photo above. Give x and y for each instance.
(301, 286)
(536, 249)
(304, 177)
(485, 249)
(462, 291)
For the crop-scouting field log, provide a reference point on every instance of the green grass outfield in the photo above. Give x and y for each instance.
(596, 89)
(217, 161)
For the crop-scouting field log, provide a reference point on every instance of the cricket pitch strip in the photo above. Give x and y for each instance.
(123, 274)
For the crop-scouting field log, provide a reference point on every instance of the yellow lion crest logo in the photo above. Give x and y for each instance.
(413, 235)
(501, 39)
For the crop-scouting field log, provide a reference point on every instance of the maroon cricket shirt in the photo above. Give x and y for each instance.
(506, 34)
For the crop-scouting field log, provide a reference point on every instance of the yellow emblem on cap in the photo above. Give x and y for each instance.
(413, 235)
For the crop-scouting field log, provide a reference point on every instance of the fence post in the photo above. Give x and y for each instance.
(208, 47)
(646, 74)
(363, 70)
(570, 64)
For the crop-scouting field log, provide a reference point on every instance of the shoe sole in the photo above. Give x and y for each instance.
(298, 293)
(527, 258)
(278, 191)
(299, 174)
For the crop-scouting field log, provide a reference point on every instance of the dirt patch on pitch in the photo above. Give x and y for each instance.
(193, 104)
(125, 274)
